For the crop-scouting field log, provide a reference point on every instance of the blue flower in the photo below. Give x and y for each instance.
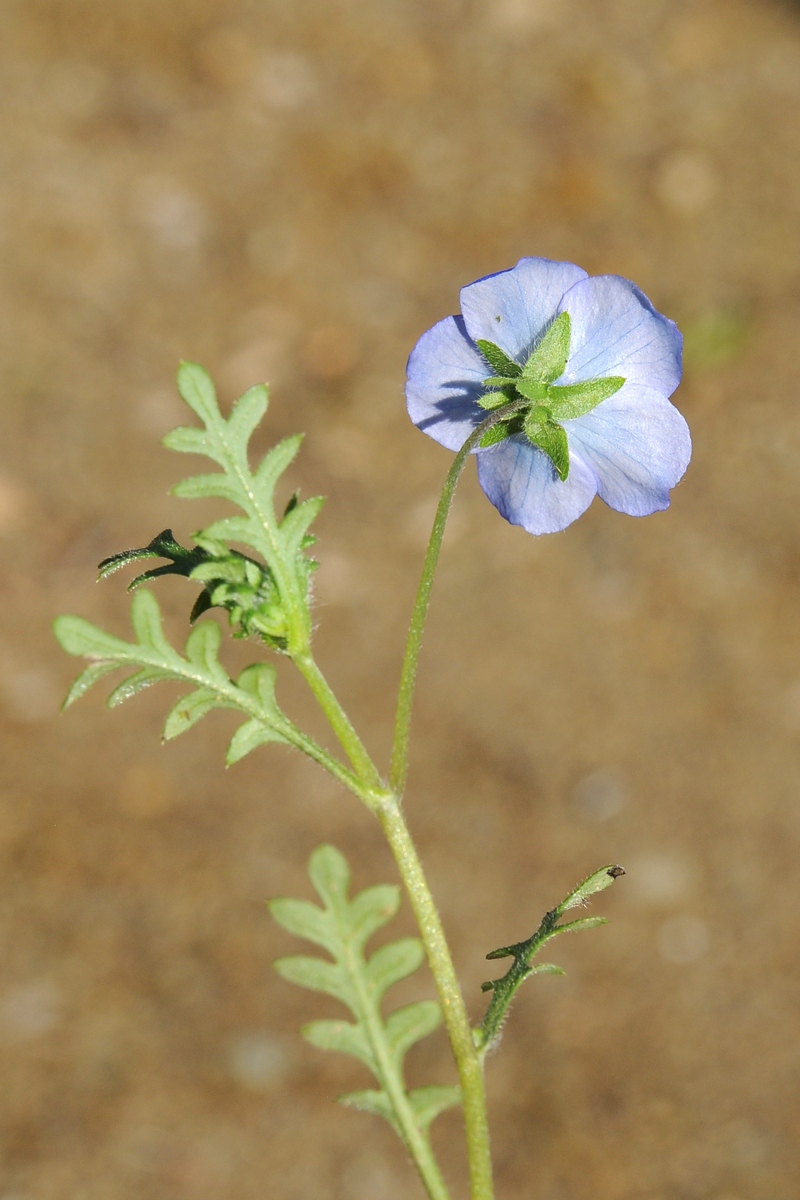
(584, 368)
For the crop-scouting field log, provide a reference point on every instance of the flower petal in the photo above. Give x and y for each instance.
(445, 379)
(522, 483)
(638, 445)
(616, 331)
(513, 308)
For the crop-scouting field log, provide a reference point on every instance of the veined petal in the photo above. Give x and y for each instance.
(616, 331)
(513, 308)
(638, 445)
(522, 483)
(445, 379)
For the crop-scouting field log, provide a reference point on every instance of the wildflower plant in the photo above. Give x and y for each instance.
(559, 384)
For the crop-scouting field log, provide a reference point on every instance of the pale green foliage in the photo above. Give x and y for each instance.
(343, 927)
(280, 542)
(156, 660)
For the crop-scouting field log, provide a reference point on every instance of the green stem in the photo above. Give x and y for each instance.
(459, 1031)
(408, 675)
(341, 724)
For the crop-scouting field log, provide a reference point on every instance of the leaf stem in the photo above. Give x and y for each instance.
(456, 1020)
(341, 724)
(399, 767)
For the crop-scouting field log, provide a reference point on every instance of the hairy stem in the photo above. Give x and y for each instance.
(459, 1031)
(402, 728)
(339, 721)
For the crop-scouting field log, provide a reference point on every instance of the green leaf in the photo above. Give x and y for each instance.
(498, 360)
(197, 389)
(408, 1025)
(295, 524)
(343, 928)
(305, 920)
(146, 621)
(533, 390)
(428, 1102)
(492, 400)
(503, 990)
(342, 1036)
(79, 637)
(247, 413)
(370, 910)
(187, 440)
(549, 359)
(330, 875)
(551, 438)
(188, 711)
(597, 882)
(576, 399)
(87, 679)
(137, 683)
(249, 737)
(275, 463)
(316, 974)
(201, 487)
(392, 963)
(202, 645)
(372, 1101)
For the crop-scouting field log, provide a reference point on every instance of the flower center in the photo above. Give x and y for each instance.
(545, 404)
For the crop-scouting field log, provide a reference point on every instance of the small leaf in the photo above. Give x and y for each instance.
(187, 440)
(146, 621)
(137, 683)
(576, 399)
(245, 416)
(197, 389)
(275, 463)
(532, 389)
(258, 680)
(492, 400)
(83, 639)
(371, 909)
(343, 1036)
(596, 882)
(199, 487)
(87, 679)
(548, 361)
(296, 522)
(392, 963)
(498, 360)
(330, 875)
(188, 711)
(249, 737)
(547, 969)
(428, 1102)
(410, 1024)
(231, 529)
(372, 1101)
(305, 920)
(202, 645)
(316, 974)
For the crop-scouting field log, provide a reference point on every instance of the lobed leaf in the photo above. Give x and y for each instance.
(83, 639)
(392, 963)
(249, 737)
(137, 683)
(305, 920)
(371, 909)
(343, 1036)
(197, 389)
(188, 711)
(87, 679)
(410, 1024)
(330, 875)
(428, 1102)
(317, 975)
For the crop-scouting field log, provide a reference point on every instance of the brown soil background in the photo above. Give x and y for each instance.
(295, 191)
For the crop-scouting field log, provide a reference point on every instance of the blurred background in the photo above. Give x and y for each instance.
(294, 190)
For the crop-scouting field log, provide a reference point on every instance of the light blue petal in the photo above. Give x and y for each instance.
(616, 331)
(513, 308)
(521, 482)
(638, 445)
(445, 379)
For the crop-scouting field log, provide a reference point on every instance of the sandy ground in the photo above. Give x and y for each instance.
(295, 191)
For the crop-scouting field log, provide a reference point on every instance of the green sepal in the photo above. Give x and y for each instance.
(500, 432)
(498, 360)
(551, 438)
(576, 399)
(492, 400)
(533, 390)
(549, 359)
